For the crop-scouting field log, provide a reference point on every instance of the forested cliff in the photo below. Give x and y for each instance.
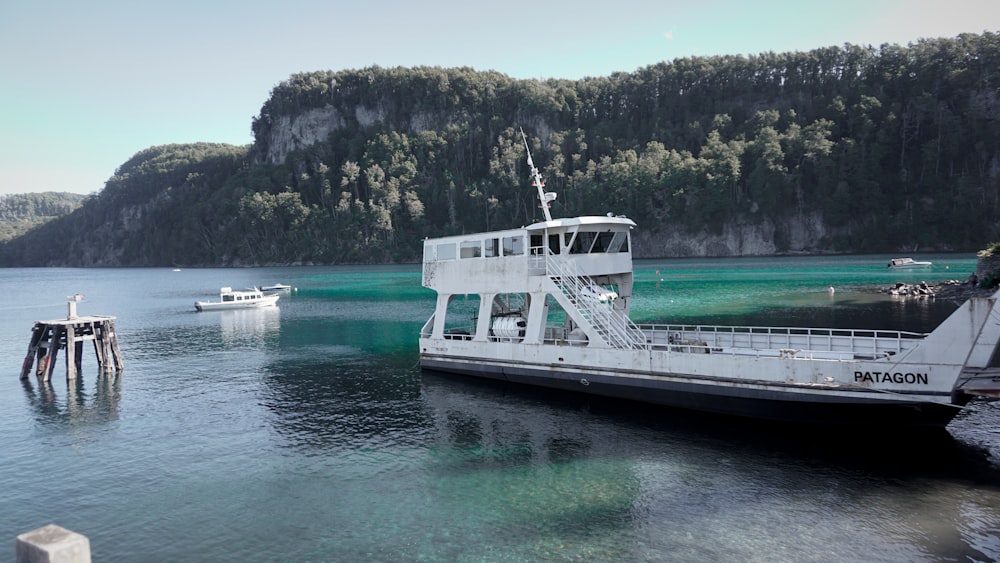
(841, 149)
(20, 213)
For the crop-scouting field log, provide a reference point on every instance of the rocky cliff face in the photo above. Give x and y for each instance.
(299, 131)
(295, 132)
(803, 233)
(798, 233)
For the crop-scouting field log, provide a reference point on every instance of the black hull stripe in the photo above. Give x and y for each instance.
(862, 408)
(507, 365)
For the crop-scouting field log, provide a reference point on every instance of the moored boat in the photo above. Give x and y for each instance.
(239, 299)
(551, 308)
(908, 264)
(276, 287)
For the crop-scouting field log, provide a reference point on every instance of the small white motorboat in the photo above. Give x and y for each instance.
(243, 299)
(276, 287)
(908, 263)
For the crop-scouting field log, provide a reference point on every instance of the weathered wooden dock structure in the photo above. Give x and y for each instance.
(69, 334)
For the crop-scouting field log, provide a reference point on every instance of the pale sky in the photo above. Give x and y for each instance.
(84, 86)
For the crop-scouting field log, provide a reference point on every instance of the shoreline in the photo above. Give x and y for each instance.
(948, 289)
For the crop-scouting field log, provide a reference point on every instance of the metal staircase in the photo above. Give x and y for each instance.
(611, 324)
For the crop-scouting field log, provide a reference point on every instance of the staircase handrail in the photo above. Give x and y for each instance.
(613, 325)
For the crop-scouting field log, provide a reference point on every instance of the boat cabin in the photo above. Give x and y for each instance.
(513, 272)
(228, 295)
(507, 260)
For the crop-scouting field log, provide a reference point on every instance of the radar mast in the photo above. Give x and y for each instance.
(544, 198)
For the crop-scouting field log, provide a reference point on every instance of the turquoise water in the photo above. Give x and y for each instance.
(308, 433)
(793, 291)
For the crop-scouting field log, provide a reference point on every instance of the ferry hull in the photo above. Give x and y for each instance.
(860, 408)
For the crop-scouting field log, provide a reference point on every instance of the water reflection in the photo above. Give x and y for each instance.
(912, 454)
(359, 401)
(195, 334)
(475, 430)
(247, 327)
(548, 477)
(78, 407)
(710, 487)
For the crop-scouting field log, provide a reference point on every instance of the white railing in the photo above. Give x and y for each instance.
(794, 342)
(757, 341)
(536, 260)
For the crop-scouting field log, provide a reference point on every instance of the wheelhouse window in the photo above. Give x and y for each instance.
(611, 242)
(554, 246)
(619, 242)
(582, 243)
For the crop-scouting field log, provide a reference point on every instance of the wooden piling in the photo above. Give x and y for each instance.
(48, 337)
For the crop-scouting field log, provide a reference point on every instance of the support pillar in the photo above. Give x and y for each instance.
(71, 367)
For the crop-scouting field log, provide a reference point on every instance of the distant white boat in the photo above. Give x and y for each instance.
(245, 299)
(907, 264)
(276, 287)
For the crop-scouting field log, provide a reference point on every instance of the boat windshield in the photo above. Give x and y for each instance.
(590, 242)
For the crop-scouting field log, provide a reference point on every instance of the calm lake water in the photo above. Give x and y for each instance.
(309, 433)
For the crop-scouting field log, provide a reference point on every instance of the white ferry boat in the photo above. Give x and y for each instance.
(550, 302)
(239, 299)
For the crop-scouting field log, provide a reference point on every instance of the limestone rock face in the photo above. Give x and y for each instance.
(293, 132)
(289, 133)
(803, 233)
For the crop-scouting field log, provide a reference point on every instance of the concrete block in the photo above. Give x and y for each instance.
(52, 544)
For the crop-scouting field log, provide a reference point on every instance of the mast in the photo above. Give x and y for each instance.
(544, 198)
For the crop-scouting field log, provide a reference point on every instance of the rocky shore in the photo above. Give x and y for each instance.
(949, 289)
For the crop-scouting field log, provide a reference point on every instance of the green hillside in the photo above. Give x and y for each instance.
(19, 213)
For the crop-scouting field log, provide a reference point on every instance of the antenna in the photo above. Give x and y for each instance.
(544, 198)
(72, 300)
